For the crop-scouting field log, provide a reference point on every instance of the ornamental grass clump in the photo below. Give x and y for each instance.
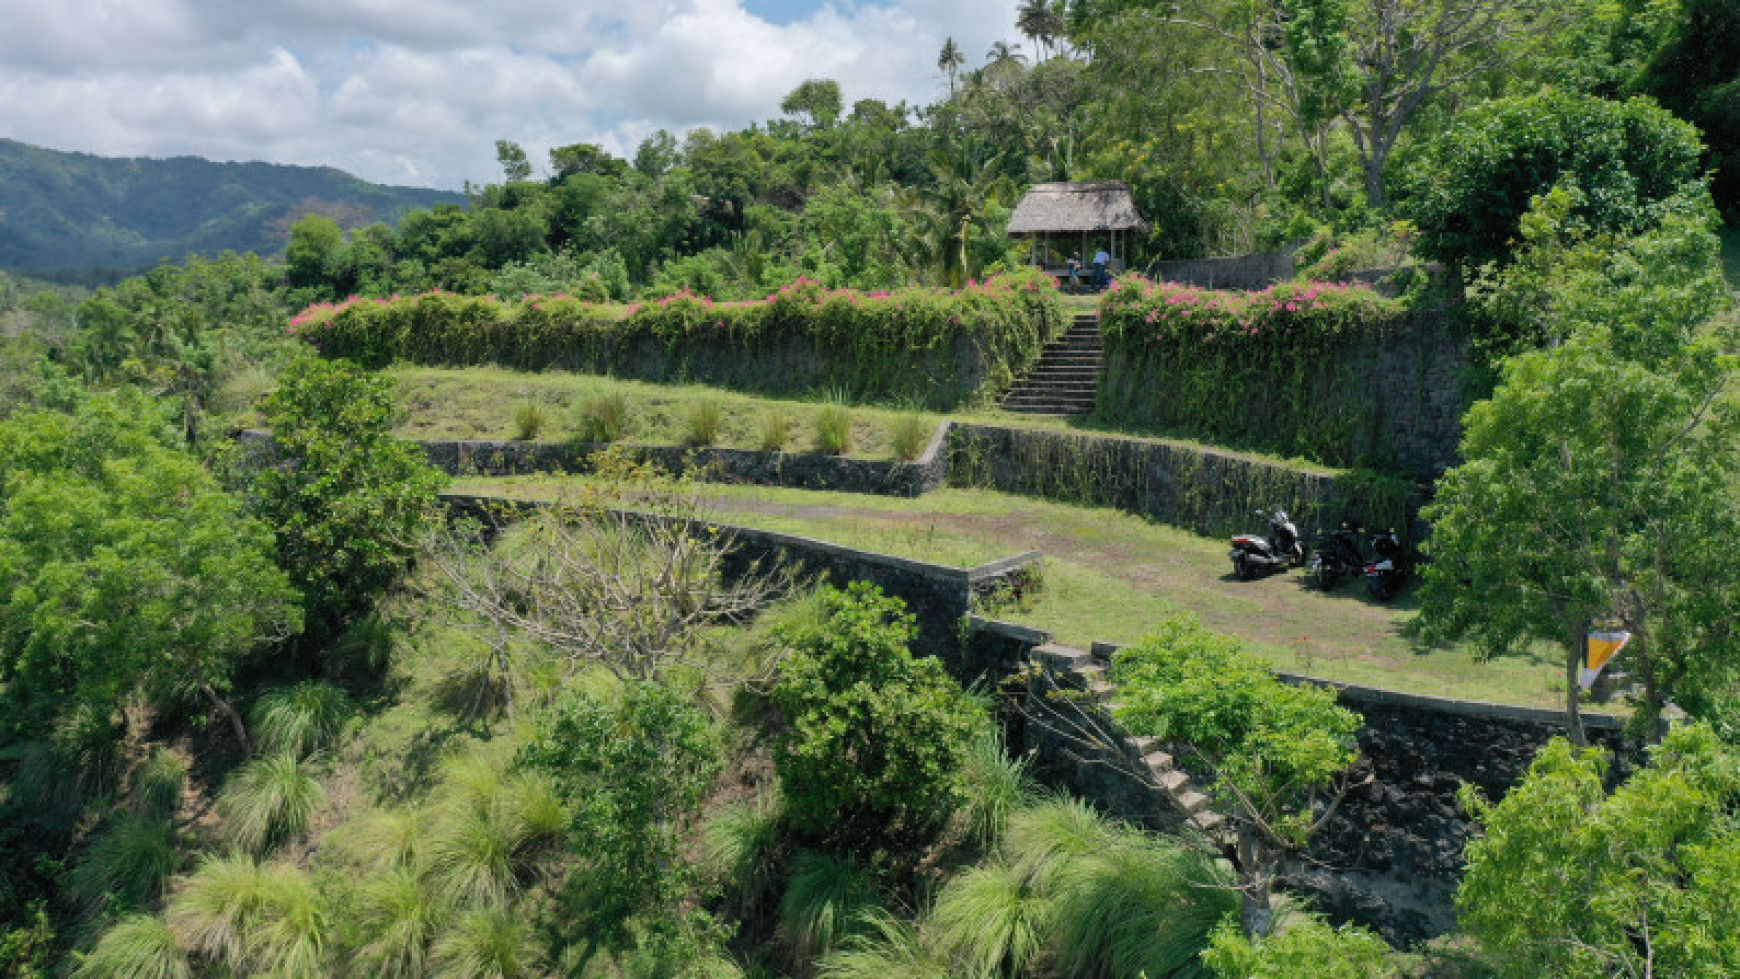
(529, 420)
(774, 430)
(907, 435)
(702, 423)
(603, 419)
(833, 430)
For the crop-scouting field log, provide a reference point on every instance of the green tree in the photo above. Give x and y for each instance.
(512, 157)
(1571, 882)
(349, 498)
(566, 161)
(1593, 471)
(125, 571)
(633, 771)
(877, 735)
(816, 101)
(1696, 74)
(1277, 751)
(949, 60)
(311, 259)
(1632, 163)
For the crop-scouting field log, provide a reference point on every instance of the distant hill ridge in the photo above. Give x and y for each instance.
(76, 215)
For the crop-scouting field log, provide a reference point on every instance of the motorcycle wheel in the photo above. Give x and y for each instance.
(1242, 569)
(1324, 576)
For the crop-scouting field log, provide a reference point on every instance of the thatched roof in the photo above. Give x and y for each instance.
(1061, 208)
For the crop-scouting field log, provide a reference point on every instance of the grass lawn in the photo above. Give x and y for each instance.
(480, 403)
(1110, 575)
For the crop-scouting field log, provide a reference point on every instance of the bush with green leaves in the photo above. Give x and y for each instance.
(906, 344)
(251, 918)
(529, 420)
(1570, 881)
(877, 735)
(347, 500)
(125, 571)
(1306, 946)
(773, 430)
(826, 901)
(1275, 750)
(632, 771)
(1632, 163)
(136, 947)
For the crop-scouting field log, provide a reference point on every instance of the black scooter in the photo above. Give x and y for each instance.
(1334, 558)
(1252, 555)
(1389, 567)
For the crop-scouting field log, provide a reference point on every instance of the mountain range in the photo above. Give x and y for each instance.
(76, 216)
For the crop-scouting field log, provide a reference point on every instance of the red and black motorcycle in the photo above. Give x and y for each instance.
(1252, 555)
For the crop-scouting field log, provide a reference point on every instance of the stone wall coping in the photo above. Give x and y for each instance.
(1010, 630)
(1204, 450)
(1002, 566)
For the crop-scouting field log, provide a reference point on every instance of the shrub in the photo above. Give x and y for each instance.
(268, 801)
(528, 420)
(126, 865)
(995, 786)
(828, 899)
(775, 430)
(702, 422)
(833, 430)
(877, 735)
(603, 419)
(137, 947)
(909, 434)
(300, 719)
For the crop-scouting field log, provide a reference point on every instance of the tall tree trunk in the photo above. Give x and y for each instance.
(229, 711)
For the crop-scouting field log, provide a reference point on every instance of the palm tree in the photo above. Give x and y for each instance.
(1042, 22)
(1004, 53)
(949, 61)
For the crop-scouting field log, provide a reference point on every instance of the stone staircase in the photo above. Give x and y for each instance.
(1067, 375)
(1086, 672)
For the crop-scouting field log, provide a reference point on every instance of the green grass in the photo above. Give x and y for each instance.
(479, 402)
(1110, 576)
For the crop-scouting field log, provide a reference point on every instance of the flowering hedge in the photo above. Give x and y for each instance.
(1278, 370)
(929, 347)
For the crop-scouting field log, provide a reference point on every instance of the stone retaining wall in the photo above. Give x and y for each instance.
(882, 477)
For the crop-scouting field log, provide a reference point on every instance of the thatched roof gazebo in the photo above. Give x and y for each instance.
(1103, 207)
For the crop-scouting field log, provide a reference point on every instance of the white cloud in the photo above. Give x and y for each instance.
(417, 91)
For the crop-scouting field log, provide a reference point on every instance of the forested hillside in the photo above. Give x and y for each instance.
(72, 213)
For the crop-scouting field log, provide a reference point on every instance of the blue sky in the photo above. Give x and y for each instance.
(417, 91)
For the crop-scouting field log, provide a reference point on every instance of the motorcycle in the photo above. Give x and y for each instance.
(1252, 554)
(1389, 569)
(1335, 557)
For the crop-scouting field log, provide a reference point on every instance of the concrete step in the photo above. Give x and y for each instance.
(1190, 801)
(1158, 761)
(1207, 821)
(1173, 781)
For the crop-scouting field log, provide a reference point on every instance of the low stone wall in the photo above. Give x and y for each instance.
(883, 477)
(1211, 493)
(1248, 273)
(938, 595)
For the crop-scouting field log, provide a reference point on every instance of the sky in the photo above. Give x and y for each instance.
(416, 92)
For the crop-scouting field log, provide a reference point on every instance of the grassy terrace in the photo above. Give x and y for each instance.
(1109, 575)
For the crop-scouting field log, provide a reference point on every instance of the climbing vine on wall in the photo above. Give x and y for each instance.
(1268, 370)
(927, 347)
